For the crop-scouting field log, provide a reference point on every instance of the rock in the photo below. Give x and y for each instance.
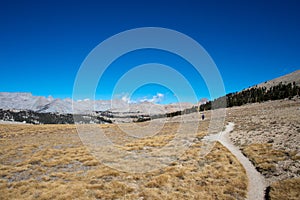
(270, 141)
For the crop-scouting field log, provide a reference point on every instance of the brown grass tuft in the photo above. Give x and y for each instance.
(286, 189)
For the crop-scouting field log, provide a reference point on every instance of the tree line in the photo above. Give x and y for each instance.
(254, 95)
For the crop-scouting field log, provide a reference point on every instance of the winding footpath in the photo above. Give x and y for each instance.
(257, 183)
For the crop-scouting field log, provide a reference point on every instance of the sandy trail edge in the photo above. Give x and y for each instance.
(257, 183)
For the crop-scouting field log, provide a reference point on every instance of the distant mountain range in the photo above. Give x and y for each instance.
(40, 104)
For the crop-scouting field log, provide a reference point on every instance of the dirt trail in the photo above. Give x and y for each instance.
(257, 183)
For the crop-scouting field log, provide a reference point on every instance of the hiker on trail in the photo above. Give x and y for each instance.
(203, 117)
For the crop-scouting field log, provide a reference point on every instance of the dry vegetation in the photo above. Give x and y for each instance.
(265, 157)
(50, 162)
(286, 189)
(269, 135)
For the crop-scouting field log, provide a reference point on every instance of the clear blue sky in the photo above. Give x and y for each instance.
(43, 43)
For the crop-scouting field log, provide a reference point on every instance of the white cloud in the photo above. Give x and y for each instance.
(155, 99)
(160, 95)
(125, 98)
(85, 100)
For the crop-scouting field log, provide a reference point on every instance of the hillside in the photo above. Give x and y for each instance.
(286, 79)
(287, 86)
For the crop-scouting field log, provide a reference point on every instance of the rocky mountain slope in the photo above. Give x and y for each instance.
(286, 79)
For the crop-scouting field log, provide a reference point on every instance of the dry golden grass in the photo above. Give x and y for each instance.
(286, 189)
(50, 162)
(264, 156)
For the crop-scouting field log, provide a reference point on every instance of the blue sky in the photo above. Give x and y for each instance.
(43, 43)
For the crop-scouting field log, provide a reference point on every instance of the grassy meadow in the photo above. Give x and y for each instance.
(50, 162)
